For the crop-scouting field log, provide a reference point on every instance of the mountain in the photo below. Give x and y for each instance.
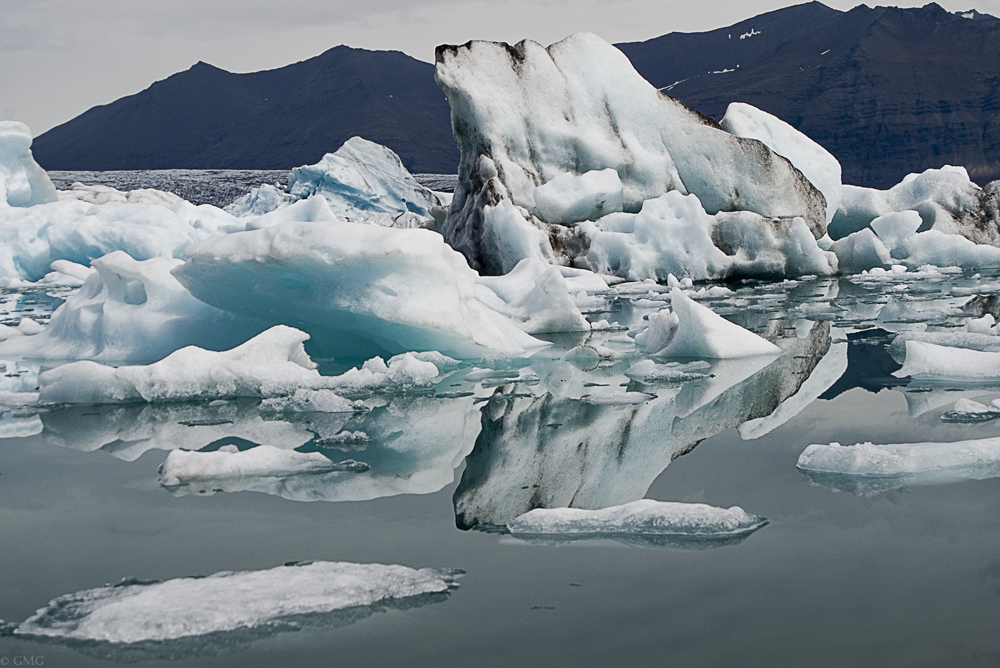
(888, 91)
(206, 117)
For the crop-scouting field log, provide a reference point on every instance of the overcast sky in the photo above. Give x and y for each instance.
(58, 58)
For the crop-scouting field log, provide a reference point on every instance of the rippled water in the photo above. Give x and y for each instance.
(892, 572)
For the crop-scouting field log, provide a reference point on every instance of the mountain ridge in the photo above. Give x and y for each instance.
(888, 91)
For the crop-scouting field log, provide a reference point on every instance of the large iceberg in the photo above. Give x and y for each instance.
(814, 161)
(22, 181)
(202, 615)
(559, 121)
(357, 289)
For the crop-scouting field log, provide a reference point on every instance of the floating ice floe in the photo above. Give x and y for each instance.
(967, 340)
(868, 468)
(205, 615)
(644, 519)
(967, 410)
(182, 467)
(272, 364)
(313, 401)
(927, 361)
(361, 180)
(22, 181)
(559, 120)
(358, 290)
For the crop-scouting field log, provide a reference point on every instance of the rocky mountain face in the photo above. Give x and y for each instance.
(206, 117)
(888, 91)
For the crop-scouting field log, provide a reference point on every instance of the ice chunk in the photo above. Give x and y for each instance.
(130, 311)
(572, 198)
(861, 251)
(182, 467)
(673, 235)
(536, 297)
(945, 199)
(358, 290)
(967, 410)
(272, 363)
(868, 468)
(814, 161)
(703, 333)
(525, 115)
(639, 517)
(159, 616)
(22, 181)
(927, 361)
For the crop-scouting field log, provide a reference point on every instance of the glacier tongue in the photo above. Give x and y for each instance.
(525, 116)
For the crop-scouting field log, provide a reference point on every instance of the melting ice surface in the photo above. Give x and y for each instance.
(137, 620)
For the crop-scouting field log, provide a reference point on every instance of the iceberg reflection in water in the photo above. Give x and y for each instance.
(139, 620)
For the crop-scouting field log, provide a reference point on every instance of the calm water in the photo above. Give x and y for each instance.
(844, 573)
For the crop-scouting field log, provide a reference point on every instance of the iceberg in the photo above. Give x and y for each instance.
(868, 468)
(702, 333)
(130, 311)
(554, 120)
(895, 239)
(22, 182)
(946, 200)
(362, 180)
(644, 517)
(142, 620)
(272, 364)
(358, 290)
(814, 161)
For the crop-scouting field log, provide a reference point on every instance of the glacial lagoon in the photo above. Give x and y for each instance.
(848, 569)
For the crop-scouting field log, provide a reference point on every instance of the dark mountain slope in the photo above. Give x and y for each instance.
(888, 91)
(206, 117)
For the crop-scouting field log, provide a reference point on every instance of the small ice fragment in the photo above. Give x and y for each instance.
(639, 517)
